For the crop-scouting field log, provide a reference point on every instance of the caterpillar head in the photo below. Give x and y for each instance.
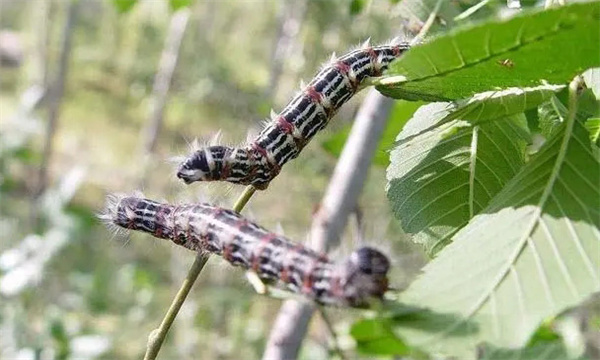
(133, 213)
(203, 165)
(365, 276)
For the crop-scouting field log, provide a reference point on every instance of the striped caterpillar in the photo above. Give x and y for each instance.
(283, 138)
(203, 227)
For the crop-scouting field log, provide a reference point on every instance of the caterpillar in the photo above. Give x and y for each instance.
(204, 227)
(288, 132)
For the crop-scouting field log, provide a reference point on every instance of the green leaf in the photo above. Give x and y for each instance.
(588, 105)
(438, 180)
(545, 351)
(592, 80)
(374, 336)
(496, 104)
(531, 254)
(124, 6)
(178, 4)
(551, 115)
(401, 112)
(356, 6)
(593, 126)
(519, 52)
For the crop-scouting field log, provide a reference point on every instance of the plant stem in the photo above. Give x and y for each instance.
(334, 347)
(157, 336)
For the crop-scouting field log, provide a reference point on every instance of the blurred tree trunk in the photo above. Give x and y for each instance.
(55, 95)
(291, 17)
(39, 21)
(339, 200)
(164, 75)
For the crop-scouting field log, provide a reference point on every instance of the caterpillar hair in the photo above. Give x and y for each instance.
(284, 137)
(354, 282)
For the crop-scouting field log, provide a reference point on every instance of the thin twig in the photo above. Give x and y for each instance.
(157, 336)
(425, 29)
(335, 346)
(472, 10)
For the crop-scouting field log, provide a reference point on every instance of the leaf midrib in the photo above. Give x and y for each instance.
(534, 40)
(523, 241)
(536, 216)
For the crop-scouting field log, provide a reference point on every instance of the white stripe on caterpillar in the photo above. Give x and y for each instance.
(203, 227)
(285, 136)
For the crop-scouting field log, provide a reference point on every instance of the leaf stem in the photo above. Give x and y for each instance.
(157, 336)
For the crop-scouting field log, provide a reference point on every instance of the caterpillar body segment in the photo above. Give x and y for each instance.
(284, 137)
(203, 227)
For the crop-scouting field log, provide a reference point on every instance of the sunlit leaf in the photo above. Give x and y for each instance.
(519, 52)
(531, 254)
(551, 115)
(439, 179)
(593, 126)
(592, 80)
(495, 104)
(545, 351)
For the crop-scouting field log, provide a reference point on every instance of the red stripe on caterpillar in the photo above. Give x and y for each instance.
(283, 138)
(203, 227)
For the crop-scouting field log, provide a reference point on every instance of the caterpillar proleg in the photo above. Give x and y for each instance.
(203, 227)
(282, 139)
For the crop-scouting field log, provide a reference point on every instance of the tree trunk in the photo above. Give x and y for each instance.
(164, 75)
(339, 201)
(290, 20)
(55, 95)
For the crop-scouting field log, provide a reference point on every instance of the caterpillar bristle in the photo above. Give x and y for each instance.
(239, 241)
(195, 145)
(285, 135)
(108, 214)
(302, 85)
(366, 44)
(273, 115)
(216, 138)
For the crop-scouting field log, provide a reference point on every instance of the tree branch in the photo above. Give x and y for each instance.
(338, 202)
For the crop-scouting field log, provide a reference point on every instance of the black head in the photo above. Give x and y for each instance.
(365, 276)
(202, 165)
(369, 261)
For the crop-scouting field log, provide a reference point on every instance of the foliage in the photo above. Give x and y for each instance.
(514, 228)
(470, 177)
(124, 6)
(520, 52)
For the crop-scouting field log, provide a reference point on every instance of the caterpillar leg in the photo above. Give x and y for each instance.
(257, 283)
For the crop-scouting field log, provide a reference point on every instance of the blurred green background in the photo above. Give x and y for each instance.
(77, 96)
